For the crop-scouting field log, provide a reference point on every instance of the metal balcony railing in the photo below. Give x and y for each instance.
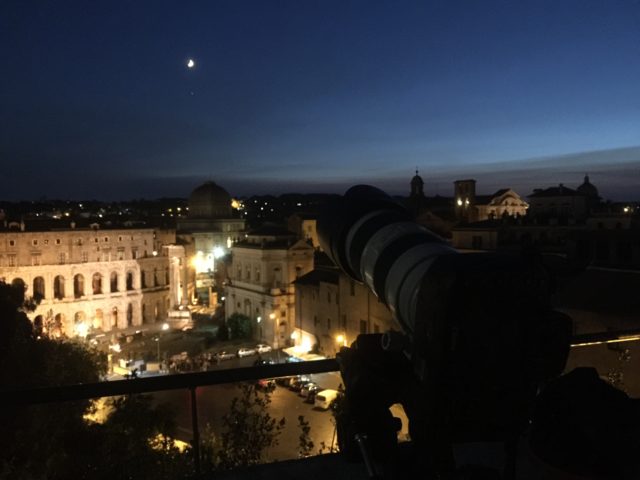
(186, 381)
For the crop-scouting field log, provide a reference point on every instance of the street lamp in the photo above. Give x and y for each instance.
(165, 326)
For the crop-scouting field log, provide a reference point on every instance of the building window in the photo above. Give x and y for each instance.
(363, 326)
(34, 242)
(283, 313)
(46, 242)
(95, 240)
(120, 239)
(11, 260)
(134, 253)
(106, 239)
(62, 258)
(35, 260)
(113, 280)
(58, 242)
(121, 255)
(85, 257)
(12, 243)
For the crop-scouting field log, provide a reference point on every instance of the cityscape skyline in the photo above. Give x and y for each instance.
(102, 101)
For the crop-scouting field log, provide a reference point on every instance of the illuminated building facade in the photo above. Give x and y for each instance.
(264, 267)
(209, 231)
(92, 279)
(470, 207)
(332, 310)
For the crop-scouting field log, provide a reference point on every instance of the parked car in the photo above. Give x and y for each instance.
(263, 348)
(261, 361)
(311, 396)
(297, 383)
(325, 398)
(304, 390)
(309, 392)
(266, 384)
(246, 352)
(223, 355)
(284, 381)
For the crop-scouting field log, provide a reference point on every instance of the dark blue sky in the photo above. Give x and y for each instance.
(96, 100)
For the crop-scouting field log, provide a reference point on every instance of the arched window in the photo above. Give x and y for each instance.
(129, 315)
(58, 287)
(114, 317)
(38, 325)
(129, 281)
(98, 319)
(19, 283)
(143, 279)
(155, 277)
(113, 279)
(144, 313)
(78, 286)
(38, 288)
(57, 330)
(96, 283)
(79, 317)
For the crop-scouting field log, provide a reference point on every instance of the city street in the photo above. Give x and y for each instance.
(214, 401)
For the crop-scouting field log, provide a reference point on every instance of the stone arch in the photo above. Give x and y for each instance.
(78, 285)
(114, 317)
(144, 313)
(130, 280)
(113, 280)
(58, 327)
(79, 317)
(19, 283)
(98, 319)
(38, 288)
(129, 314)
(38, 325)
(96, 283)
(58, 287)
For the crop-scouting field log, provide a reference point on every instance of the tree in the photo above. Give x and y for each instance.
(55, 441)
(223, 332)
(248, 430)
(239, 326)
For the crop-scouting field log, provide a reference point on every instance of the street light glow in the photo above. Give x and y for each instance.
(165, 326)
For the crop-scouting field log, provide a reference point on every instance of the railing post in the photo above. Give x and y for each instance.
(196, 431)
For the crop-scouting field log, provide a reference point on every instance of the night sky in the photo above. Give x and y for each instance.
(96, 100)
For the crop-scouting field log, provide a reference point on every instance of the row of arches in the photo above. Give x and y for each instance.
(60, 324)
(79, 285)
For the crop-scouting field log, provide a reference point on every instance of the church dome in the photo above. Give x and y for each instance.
(209, 201)
(417, 186)
(587, 188)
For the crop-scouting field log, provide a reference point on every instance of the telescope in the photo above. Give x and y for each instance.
(479, 339)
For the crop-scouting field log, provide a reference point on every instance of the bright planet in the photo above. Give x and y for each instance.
(191, 63)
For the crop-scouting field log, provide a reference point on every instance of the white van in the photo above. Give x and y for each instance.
(325, 398)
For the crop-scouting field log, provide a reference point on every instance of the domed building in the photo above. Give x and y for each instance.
(209, 231)
(210, 200)
(587, 188)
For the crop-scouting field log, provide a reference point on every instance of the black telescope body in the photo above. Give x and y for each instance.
(478, 333)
